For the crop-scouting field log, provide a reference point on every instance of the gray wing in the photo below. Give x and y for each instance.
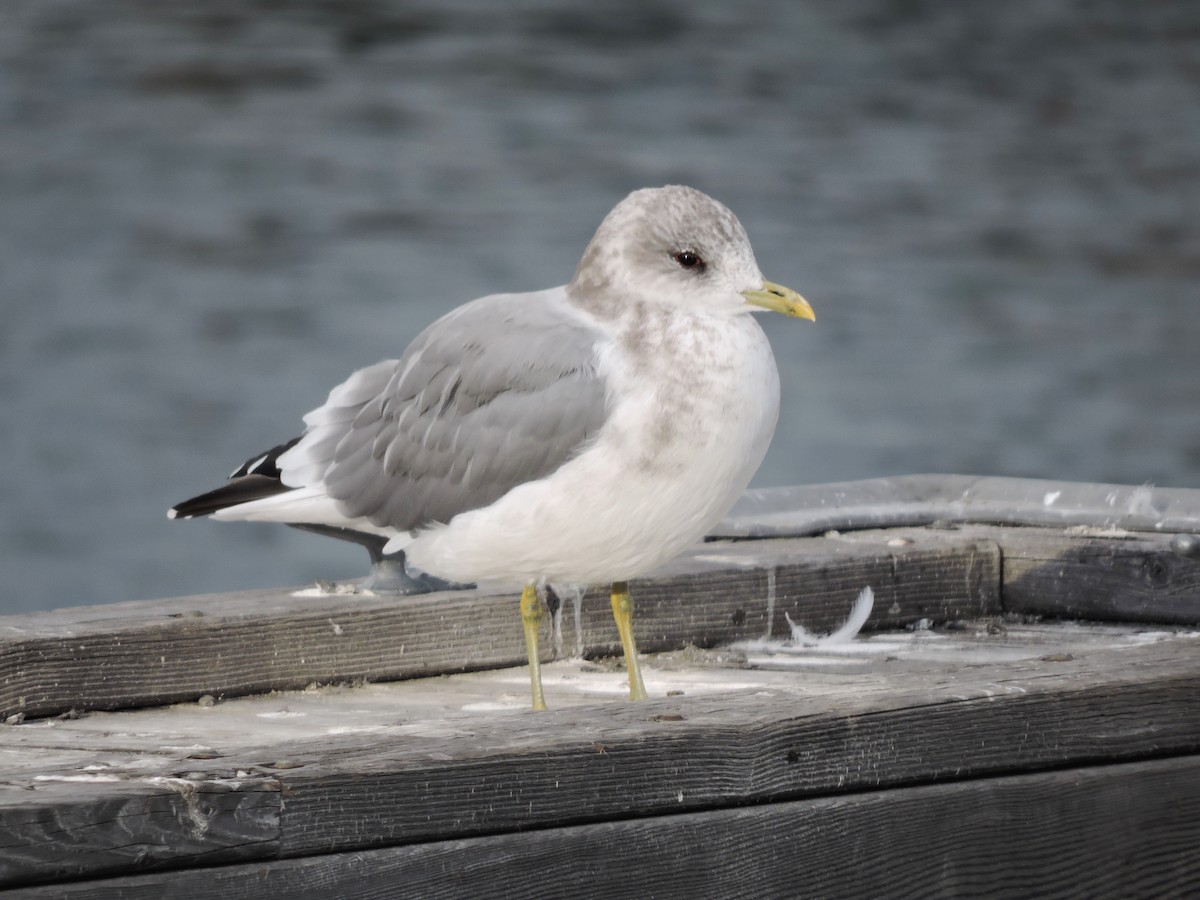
(499, 392)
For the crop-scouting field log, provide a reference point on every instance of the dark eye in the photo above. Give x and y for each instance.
(688, 259)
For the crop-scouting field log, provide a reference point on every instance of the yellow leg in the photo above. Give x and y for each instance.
(622, 606)
(531, 617)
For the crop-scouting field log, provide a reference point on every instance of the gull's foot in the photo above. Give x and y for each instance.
(390, 575)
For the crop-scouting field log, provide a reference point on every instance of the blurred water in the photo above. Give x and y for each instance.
(214, 211)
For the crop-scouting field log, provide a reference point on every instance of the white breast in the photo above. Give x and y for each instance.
(697, 406)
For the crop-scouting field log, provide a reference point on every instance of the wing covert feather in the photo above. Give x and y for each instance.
(499, 392)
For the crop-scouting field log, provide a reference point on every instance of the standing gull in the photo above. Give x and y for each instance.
(586, 433)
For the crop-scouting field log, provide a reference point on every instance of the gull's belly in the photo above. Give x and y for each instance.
(671, 459)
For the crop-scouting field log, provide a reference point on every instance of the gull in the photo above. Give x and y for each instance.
(587, 433)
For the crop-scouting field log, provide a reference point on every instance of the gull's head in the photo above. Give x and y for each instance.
(676, 246)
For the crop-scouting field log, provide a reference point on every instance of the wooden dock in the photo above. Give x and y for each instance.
(1021, 717)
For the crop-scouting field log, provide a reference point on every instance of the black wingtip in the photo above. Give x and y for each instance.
(254, 479)
(240, 490)
(267, 462)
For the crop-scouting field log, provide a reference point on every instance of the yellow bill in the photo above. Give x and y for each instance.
(777, 298)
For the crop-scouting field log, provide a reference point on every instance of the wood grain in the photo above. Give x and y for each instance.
(1131, 578)
(1118, 831)
(69, 829)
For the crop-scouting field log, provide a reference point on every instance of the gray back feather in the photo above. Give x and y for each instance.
(499, 392)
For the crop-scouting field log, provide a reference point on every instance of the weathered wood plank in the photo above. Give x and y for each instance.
(572, 766)
(1130, 578)
(471, 774)
(72, 829)
(1118, 831)
(158, 652)
(150, 803)
(161, 740)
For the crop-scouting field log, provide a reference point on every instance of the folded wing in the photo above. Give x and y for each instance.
(478, 404)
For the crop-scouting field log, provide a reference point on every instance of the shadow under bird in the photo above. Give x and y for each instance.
(586, 433)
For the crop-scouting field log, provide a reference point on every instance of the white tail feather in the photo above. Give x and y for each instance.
(307, 505)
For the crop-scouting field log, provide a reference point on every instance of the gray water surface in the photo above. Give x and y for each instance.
(212, 212)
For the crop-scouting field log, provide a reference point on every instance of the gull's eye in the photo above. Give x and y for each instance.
(688, 259)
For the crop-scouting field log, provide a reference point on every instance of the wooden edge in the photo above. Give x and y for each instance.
(232, 645)
(910, 500)
(1051, 834)
(584, 764)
